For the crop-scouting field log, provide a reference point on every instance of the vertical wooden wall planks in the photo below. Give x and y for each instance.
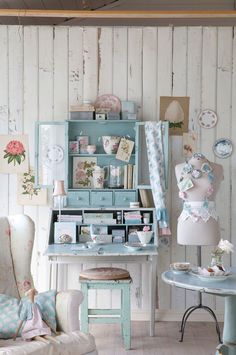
(44, 70)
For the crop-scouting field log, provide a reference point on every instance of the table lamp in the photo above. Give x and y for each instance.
(59, 190)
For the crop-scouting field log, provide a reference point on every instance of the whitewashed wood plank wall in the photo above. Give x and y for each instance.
(44, 70)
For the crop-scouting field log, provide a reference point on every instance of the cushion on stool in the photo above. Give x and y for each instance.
(104, 273)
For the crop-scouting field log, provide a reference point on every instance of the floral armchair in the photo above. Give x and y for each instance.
(16, 244)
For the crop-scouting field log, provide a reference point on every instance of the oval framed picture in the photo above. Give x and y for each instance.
(223, 148)
(207, 119)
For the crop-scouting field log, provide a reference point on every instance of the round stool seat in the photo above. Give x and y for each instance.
(104, 273)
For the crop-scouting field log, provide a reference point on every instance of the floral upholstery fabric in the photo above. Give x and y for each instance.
(7, 277)
(22, 239)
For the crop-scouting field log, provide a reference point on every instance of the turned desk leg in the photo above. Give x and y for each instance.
(153, 282)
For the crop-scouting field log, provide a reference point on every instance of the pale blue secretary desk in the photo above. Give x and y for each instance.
(54, 161)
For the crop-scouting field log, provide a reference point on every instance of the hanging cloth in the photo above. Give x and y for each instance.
(156, 163)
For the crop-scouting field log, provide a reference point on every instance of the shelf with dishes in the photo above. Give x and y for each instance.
(107, 226)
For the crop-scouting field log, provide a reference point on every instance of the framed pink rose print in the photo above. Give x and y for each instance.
(14, 154)
(83, 168)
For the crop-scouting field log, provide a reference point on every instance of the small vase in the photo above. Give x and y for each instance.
(216, 259)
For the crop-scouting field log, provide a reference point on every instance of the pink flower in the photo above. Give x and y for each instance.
(15, 148)
(80, 175)
(146, 228)
(80, 165)
(182, 195)
(210, 191)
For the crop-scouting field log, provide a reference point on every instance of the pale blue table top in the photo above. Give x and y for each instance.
(97, 250)
(191, 282)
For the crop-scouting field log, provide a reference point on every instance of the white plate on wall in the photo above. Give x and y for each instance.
(223, 148)
(207, 119)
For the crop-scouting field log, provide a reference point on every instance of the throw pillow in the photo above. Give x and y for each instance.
(10, 309)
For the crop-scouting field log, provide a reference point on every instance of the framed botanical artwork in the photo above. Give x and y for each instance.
(51, 152)
(14, 154)
(65, 232)
(175, 110)
(83, 168)
(27, 193)
(125, 149)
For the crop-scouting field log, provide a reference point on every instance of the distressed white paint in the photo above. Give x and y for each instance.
(45, 70)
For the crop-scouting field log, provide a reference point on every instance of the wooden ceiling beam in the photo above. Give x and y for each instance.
(111, 14)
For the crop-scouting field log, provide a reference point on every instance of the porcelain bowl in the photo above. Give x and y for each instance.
(110, 144)
(91, 149)
(145, 237)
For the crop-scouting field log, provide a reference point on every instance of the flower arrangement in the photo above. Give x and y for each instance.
(15, 152)
(146, 229)
(223, 247)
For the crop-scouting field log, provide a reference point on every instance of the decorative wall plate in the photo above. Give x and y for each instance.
(207, 119)
(109, 102)
(223, 148)
(54, 155)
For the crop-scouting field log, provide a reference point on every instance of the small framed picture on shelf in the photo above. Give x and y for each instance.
(83, 168)
(84, 235)
(64, 232)
(125, 149)
(100, 229)
(73, 147)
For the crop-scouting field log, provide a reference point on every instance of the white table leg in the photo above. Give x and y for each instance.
(153, 282)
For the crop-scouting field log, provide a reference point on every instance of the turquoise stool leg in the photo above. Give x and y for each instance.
(126, 316)
(84, 308)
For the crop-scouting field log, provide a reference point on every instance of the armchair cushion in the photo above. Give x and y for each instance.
(74, 343)
(67, 309)
(12, 310)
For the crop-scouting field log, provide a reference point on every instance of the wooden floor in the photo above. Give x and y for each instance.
(200, 339)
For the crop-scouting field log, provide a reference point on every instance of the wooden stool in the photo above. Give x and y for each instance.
(107, 278)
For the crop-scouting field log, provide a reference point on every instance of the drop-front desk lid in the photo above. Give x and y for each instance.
(98, 249)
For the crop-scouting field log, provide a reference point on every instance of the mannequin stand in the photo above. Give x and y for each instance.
(191, 309)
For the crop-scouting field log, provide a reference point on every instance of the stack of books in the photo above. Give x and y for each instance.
(129, 176)
(133, 217)
(99, 218)
(82, 112)
(70, 218)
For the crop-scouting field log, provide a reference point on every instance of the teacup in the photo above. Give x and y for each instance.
(91, 148)
(180, 266)
(110, 144)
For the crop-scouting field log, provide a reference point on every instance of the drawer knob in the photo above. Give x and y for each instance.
(125, 199)
(102, 198)
(79, 198)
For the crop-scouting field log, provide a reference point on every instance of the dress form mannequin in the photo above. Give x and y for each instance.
(198, 223)
(198, 181)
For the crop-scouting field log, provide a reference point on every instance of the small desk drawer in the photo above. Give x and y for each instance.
(99, 198)
(123, 198)
(78, 198)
